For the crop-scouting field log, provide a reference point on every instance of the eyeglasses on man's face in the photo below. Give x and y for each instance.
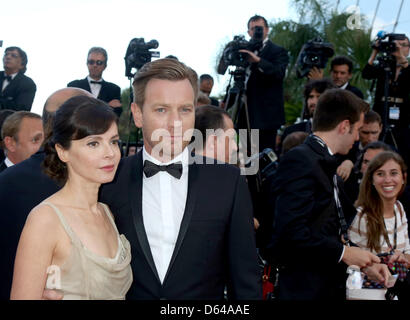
(97, 62)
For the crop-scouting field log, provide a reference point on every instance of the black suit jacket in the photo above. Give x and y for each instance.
(108, 92)
(3, 166)
(215, 245)
(22, 187)
(264, 89)
(306, 240)
(19, 93)
(355, 90)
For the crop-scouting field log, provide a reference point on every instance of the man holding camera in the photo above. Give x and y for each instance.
(264, 86)
(94, 83)
(395, 113)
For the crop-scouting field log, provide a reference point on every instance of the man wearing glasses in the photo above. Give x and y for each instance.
(94, 83)
(17, 91)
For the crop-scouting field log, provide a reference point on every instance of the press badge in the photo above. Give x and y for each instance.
(394, 113)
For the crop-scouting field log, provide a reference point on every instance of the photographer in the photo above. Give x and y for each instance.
(397, 114)
(264, 87)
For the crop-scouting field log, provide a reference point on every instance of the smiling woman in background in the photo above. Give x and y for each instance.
(380, 224)
(70, 241)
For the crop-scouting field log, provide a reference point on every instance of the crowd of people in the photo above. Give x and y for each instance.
(178, 220)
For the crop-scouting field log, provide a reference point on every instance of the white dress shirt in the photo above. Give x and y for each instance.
(6, 82)
(163, 205)
(8, 162)
(95, 88)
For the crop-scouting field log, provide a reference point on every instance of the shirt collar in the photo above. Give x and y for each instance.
(183, 157)
(89, 79)
(8, 162)
(345, 85)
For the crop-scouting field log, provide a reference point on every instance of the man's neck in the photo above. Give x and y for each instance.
(9, 72)
(329, 139)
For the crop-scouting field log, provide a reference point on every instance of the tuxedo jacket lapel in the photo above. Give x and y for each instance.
(86, 85)
(136, 207)
(189, 208)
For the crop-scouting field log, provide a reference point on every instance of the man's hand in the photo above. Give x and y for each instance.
(399, 257)
(256, 223)
(345, 169)
(52, 295)
(114, 103)
(359, 257)
(252, 58)
(315, 74)
(378, 272)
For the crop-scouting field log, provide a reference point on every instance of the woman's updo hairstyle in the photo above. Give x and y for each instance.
(77, 118)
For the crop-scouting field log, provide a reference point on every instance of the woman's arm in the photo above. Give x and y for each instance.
(34, 254)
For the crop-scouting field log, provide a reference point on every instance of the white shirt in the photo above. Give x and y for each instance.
(163, 206)
(6, 82)
(8, 162)
(344, 86)
(95, 88)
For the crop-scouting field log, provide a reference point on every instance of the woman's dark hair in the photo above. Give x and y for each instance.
(77, 118)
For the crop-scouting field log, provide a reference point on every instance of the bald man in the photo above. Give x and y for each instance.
(22, 187)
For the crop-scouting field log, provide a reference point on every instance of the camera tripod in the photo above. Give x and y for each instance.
(237, 107)
(386, 64)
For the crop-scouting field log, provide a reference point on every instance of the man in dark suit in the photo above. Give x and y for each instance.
(309, 222)
(264, 86)
(341, 70)
(94, 83)
(189, 223)
(22, 187)
(17, 91)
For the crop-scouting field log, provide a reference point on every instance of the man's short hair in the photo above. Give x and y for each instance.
(372, 116)
(336, 105)
(11, 125)
(203, 99)
(162, 69)
(292, 140)
(376, 145)
(256, 18)
(98, 50)
(205, 77)
(22, 55)
(209, 117)
(341, 60)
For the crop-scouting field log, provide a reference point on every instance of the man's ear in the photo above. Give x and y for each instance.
(62, 153)
(136, 115)
(344, 126)
(9, 143)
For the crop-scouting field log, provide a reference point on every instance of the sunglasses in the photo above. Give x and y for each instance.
(98, 62)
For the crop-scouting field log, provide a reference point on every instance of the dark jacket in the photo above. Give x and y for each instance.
(19, 93)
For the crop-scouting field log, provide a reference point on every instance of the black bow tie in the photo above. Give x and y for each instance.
(174, 169)
(8, 78)
(96, 82)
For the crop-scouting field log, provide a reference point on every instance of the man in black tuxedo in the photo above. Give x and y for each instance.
(309, 224)
(189, 223)
(17, 91)
(94, 83)
(22, 187)
(264, 86)
(341, 70)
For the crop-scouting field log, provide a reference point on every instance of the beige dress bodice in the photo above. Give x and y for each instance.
(88, 276)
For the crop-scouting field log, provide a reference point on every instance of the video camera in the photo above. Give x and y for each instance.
(231, 55)
(314, 53)
(386, 41)
(138, 53)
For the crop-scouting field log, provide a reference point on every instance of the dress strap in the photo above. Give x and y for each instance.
(63, 221)
(108, 213)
